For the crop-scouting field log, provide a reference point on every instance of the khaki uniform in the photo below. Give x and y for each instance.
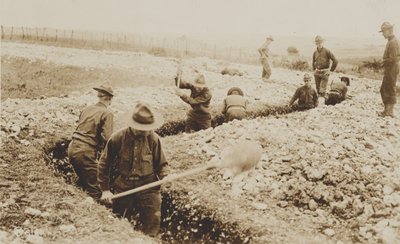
(130, 161)
(391, 59)
(234, 107)
(337, 93)
(199, 117)
(307, 98)
(321, 62)
(94, 128)
(266, 73)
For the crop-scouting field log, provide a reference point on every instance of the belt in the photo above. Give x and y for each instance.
(320, 70)
(137, 177)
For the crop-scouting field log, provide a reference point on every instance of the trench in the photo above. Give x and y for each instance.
(182, 222)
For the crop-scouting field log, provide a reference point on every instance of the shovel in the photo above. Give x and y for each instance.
(239, 158)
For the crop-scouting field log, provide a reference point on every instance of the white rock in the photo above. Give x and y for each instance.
(34, 239)
(67, 228)
(329, 232)
(32, 211)
(259, 205)
(387, 190)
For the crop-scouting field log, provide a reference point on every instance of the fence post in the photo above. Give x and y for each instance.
(37, 33)
(12, 30)
(2, 32)
(56, 35)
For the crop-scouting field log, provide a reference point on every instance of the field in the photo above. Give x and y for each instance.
(327, 175)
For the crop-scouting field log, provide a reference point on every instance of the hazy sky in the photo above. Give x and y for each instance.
(208, 18)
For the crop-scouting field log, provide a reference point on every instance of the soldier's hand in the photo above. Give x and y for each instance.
(106, 196)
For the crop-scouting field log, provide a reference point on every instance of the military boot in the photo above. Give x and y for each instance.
(390, 111)
(384, 112)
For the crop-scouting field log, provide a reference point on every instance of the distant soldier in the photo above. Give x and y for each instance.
(264, 58)
(338, 91)
(199, 117)
(234, 105)
(134, 157)
(306, 95)
(320, 63)
(391, 59)
(94, 128)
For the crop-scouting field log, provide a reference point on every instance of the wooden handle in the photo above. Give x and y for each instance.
(165, 180)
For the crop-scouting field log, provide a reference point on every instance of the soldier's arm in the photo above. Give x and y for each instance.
(205, 97)
(315, 98)
(160, 164)
(334, 61)
(294, 98)
(224, 107)
(105, 162)
(313, 61)
(108, 126)
(183, 84)
(344, 93)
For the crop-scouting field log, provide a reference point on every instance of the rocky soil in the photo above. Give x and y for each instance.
(331, 174)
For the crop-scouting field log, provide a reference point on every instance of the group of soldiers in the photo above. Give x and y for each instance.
(324, 63)
(133, 156)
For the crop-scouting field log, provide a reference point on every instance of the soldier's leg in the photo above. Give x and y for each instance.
(123, 207)
(323, 84)
(150, 212)
(190, 125)
(267, 69)
(89, 173)
(317, 79)
(204, 123)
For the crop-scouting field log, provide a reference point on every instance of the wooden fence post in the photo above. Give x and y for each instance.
(2, 32)
(56, 35)
(72, 36)
(12, 30)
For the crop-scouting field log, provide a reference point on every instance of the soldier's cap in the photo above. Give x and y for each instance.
(200, 81)
(270, 38)
(346, 80)
(144, 118)
(237, 89)
(319, 39)
(385, 26)
(105, 89)
(307, 76)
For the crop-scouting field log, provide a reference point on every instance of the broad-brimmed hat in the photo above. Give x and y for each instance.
(385, 26)
(105, 88)
(319, 39)
(230, 91)
(200, 81)
(270, 38)
(143, 118)
(307, 76)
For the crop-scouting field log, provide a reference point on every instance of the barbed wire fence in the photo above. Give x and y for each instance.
(100, 40)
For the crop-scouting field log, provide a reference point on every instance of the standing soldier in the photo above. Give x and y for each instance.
(320, 63)
(338, 91)
(264, 58)
(94, 128)
(234, 105)
(199, 117)
(134, 157)
(306, 95)
(391, 59)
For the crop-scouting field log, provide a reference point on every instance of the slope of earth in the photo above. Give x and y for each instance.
(326, 175)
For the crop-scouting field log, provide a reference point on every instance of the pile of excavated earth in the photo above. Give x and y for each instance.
(326, 175)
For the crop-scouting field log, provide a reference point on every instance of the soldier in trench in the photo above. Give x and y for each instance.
(234, 106)
(306, 95)
(391, 58)
(264, 58)
(321, 61)
(199, 117)
(338, 91)
(134, 156)
(95, 127)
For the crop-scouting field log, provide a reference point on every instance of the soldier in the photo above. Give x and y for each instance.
(264, 58)
(234, 105)
(306, 95)
(391, 59)
(199, 117)
(338, 91)
(94, 128)
(134, 157)
(320, 63)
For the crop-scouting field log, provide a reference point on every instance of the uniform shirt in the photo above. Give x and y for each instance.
(131, 155)
(321, 59)
(264, 49)
(392, 51)
(198, 100)
(307, 96)
(95, 125)
(234, 101)
(339, 87)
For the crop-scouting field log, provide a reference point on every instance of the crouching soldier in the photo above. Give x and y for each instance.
(94, 128)
(134, 157)
(306, 95)
(199, 117)
(234, 105)
(338, 91)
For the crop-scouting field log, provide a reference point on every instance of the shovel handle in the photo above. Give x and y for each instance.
(165, 180)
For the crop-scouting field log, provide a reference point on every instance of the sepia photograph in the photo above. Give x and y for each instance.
(200, 121)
